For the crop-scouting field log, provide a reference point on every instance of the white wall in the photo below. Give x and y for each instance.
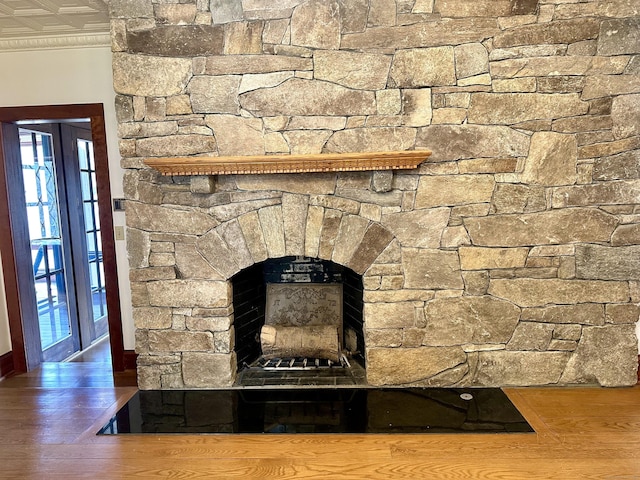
(64, 76)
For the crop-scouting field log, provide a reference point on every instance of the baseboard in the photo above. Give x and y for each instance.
(130, 360)
(6, 364)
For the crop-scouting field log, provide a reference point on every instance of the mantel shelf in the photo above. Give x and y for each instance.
(260, 164)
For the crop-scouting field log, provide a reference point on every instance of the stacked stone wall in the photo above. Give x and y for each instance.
(510, 257)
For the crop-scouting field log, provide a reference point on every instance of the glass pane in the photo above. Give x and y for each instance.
(85, 185)
(44, 232)
(92, 226)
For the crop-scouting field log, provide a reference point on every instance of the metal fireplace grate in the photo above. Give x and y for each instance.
(299, 371)
(299, 363)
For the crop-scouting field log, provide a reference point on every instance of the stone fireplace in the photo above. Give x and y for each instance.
(508, 257)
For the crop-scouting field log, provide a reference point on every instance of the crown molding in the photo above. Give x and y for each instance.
(55, 42)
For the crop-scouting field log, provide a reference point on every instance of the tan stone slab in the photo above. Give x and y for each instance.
(511, 108)
(469, 319)
(617, 192)
(350, 234)
(442, 190)
(556, 66)
(558, 32)
(598, 86)
(389, 315)
(208, 370)
(365, 71)
(539, 292)
(419, 228)
(481, 258)
(551, 227)
(502, 368)
(272, 225)
(431, 269)
(150, 76)
(552, 160)
(605, 355)
(401, 366)
(424, 67)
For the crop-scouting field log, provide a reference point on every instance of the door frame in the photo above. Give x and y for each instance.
(95, 113)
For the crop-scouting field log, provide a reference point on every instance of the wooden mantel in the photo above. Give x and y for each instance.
(324, 162)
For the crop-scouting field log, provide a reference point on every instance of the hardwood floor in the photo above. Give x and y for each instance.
(48, 420)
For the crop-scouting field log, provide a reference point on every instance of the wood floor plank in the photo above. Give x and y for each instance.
(49, 421)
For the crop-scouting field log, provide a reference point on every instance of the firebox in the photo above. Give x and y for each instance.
(298, 320)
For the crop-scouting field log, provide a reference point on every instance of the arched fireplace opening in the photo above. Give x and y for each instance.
(299, 321)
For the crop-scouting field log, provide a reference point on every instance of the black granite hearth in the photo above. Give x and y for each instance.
(319, 410)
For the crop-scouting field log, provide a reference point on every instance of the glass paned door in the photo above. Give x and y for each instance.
(95, 262)
(46, 241)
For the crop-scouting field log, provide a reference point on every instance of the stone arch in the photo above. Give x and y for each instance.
(295, 227)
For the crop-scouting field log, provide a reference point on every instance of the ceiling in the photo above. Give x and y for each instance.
(34, 24)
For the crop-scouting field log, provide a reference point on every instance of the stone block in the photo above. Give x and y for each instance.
(231, 233)
(454, 142)
(127, 9)
(501, 368)
(350, 233)
(481, 258)
(316, 24)
(175, 342)
(619, 36)
(272, 225)
(568, 66)
(552, 159)
(598, 86)
(374, 242)
(294, 214)
(373, 139)
(607, 356)
(423, 67)
(177, 41)
(217, 94)
(389, 315)
(237, 135)
(189, 293)
(626, 235)
(155, 218)
(382, 181)
(138, 248)
(512, 108)
(431, 269)
(625, 113)
(540, 292)
(175, 145)
(434, 191)
(254, 81)
(461, 320)
(471, 59)
(243, 38)
(208, 370)
(608, 263)
(389, 338)
(209, 324)
(557, 32)
(147, 75)
(416, 107)
(362, 71)
(298, 96)
(419, 228)
(531, 336)
(617, 192)
(581, 314)
(620, 166)
(622, 313)
(152, 317)
(551, 227)
(406, 366)
(225, 11)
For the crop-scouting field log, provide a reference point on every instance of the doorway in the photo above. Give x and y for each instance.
(55, 201)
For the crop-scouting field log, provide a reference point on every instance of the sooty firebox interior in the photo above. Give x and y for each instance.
(298, 321)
